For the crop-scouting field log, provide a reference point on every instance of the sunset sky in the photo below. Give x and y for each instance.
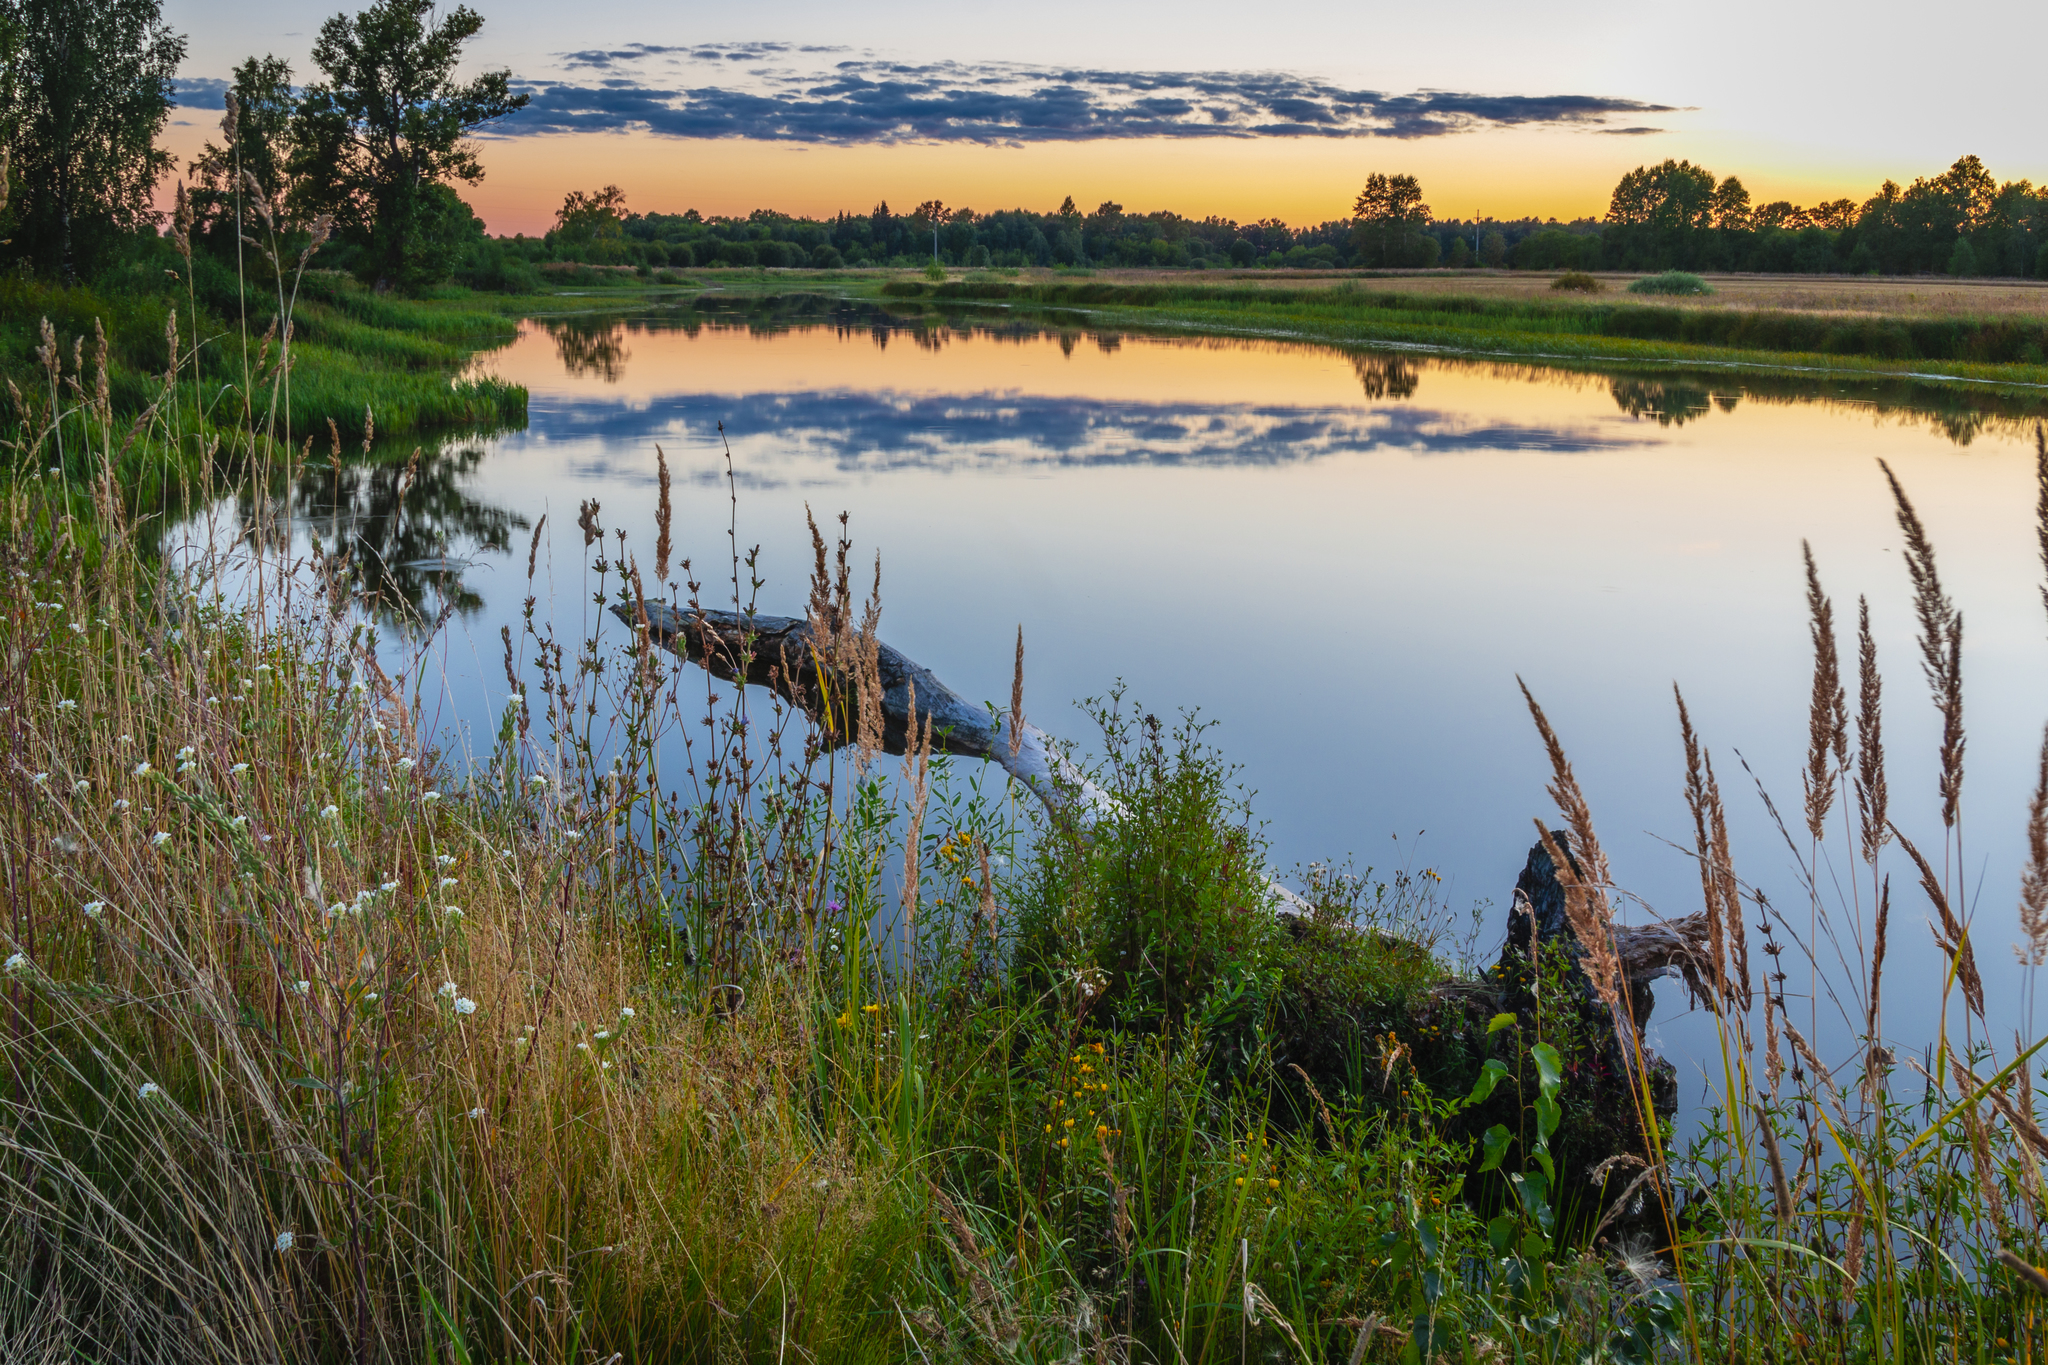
(1501, 109)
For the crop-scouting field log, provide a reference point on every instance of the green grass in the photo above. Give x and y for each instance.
(2001, 349)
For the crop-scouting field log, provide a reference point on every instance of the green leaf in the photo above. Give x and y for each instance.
(1495, 1146)
(1425, 1234)
(1500, 1233)
(1499, 1022)
(1549, 1114)
(1549, 1067)
(1489, 1076)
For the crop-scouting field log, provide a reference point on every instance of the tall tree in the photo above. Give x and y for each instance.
(88, 91)
(1675, 195)
(261, 146)
(379, 139)
(1387, 210)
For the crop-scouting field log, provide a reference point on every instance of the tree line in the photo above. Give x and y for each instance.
(1670, 216)
(367, 154)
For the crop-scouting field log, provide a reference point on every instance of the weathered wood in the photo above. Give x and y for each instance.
(1647, 951)
(781, 654)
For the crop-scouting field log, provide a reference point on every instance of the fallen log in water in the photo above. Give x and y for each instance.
(785, 655)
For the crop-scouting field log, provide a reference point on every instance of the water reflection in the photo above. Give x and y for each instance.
(591, 346)
(406, 527)
(598, 347)
(1669, 403)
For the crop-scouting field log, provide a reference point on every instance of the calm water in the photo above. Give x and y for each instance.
(1344, 558)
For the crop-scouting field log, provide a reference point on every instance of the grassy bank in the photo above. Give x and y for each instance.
(2001, 348)
(658, 1029)
(353, 358)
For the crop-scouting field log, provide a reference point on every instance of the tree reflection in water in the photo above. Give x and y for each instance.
(406, 542)
(1670, 404)
(1385, 376)
(591, 346)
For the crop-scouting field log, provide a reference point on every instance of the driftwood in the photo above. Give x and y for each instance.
(782, 654)
(1647, 951)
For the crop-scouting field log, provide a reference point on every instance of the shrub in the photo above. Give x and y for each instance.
(1671, 282)
(1578, 282)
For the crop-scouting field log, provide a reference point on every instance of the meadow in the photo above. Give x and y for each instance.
(689, 1023)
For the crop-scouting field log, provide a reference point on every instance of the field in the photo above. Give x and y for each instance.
(1833, 295)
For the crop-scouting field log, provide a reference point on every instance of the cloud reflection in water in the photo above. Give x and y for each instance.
(879, 431)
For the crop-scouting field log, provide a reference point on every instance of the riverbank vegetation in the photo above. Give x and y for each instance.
(654, 1027)
(1999, 347)
(1676, 215)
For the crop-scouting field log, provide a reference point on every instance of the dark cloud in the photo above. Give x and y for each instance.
(1629, 132)
(863, 100)
(858, 432)
(194, 92)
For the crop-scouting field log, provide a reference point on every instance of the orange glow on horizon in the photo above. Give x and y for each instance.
(1543, 173)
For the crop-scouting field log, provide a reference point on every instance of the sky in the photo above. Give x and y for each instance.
(1199, 106)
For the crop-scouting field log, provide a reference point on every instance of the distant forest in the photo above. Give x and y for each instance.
(1672, 216)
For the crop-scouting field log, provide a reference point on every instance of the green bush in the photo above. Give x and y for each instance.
(1577, 281)
(1671, 282)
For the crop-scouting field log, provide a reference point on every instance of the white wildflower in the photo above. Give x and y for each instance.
(537, 782)
(369, 997)
(94, 909)
(329, 812)
(388, 886)
(626, 1012)
(477, 1112)
(447, 882)
(125, 739)
(583, 1047)
(447, 991)
(142, 768)
(336, 910)
(17, 964)
(239, 821)
(430, 797)
(302, 988)
(67, 705)
(359, 687)
(239, 769)
(40, 779)
(605, 1066)
(159, 839)
(187, 752)
(464, 1005)
(574, 836)
(263, 668)
(149, 1091)
(187, 766)
(445, 859)
(78, 628)
(121, 804)
(81, 787)
(285, 1241)
(405, 765)
(452, 911)
(602, 1034)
